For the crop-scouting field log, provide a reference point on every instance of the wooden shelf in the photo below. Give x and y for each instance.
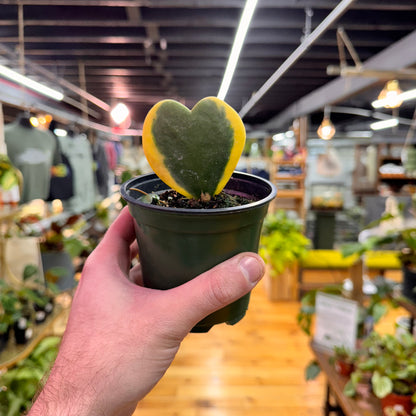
(400, 176)
(288, 162)
(290, 193)
(15, 353)
(364, 406)
(289, 199)
(289, 178)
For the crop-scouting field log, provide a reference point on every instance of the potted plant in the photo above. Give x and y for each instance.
(392, 364)
(370, 313)
(344, 360)
(60, 243)
(9, 312)
(282, 244)
(403, 237)
(195, 211)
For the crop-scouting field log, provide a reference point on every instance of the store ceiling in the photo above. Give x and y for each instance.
(142, 51)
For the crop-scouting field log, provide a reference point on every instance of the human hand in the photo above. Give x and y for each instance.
(121, 337)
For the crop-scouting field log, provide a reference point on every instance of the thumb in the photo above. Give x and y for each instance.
(216, 288)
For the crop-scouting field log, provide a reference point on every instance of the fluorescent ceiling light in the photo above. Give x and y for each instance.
(404, 96)
(237, 46)
(30, 83)
(384, 124)
(408, 95)
(358, 133)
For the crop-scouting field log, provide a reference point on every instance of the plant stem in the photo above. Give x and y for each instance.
(139, 190)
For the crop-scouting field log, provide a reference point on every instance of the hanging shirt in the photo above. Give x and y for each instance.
(102, 169)
(33, 152)
(79, 153)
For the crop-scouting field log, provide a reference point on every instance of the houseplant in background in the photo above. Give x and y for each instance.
(195, 212)
(370, 311)
(282, 244)
(19, 384)
(60, 243)
(401, 234)
(391, 361)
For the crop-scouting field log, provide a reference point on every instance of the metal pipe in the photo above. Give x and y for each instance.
(50, 75)
(21, 39)
(296, 54)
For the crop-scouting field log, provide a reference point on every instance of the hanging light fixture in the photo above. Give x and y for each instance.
(326, 130)
(390, 96)
(120, 113)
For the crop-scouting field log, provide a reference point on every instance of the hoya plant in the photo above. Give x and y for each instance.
(194, 151)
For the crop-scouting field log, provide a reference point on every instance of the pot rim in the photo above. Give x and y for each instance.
(236, 175)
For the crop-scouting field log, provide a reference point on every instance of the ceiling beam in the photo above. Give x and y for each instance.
(304, 46)
(284, 4)
(398, 56)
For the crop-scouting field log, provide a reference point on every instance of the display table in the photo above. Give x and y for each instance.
(15, 353)
(365, 406)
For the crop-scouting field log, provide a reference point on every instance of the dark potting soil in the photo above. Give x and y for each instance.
(173, 199)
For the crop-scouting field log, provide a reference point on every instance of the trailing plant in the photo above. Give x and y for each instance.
(282, 241)
(20, 384)
(392, 363)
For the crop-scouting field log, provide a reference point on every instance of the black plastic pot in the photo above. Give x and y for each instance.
(22, 332)
(60, 260)
(409, 284)
(178, 244)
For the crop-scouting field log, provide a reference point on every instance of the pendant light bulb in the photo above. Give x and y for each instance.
(390, 96)
(326, 130)
(120, 113)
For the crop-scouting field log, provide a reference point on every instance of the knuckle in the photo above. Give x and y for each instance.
(220, 293)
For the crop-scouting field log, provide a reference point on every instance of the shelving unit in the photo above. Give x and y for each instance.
(290, 186)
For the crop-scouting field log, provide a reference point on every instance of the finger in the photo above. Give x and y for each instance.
(134, 250)
(215, 288)
(115, 245)
(135, 275)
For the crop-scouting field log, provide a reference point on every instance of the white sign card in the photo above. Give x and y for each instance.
(336, 321)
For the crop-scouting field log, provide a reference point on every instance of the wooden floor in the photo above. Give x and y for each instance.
(253, 368)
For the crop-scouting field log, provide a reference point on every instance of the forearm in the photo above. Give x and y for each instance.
(77, 389)
(61, 396)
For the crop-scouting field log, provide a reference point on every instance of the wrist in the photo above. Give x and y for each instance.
(66, 393)
(76, 389)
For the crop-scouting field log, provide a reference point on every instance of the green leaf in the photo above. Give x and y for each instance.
(45, 345)
(349, 389)
(8, 180)
(378, 311)
(193, 151)
(312, 370)
(382, 385)
(29, 271)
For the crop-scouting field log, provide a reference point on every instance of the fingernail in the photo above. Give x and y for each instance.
(252, 268)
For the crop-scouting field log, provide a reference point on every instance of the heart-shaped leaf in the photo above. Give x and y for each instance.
(193, 151)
